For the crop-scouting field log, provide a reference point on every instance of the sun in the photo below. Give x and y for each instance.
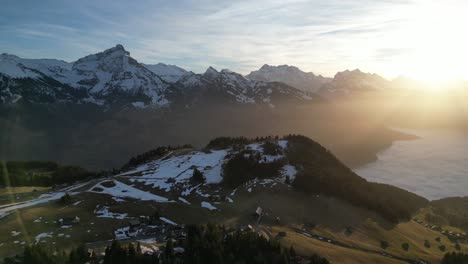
(435, 43)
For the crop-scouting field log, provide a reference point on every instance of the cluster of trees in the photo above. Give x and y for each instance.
(203, 244)
(322, 172)
(215, 244)
(455, 258)
(228, 142)
(118, 254)
(210, 244)
(151, 155)
(38, 254)
(236, 142)
(449, 211)
(40, 173)
(271, 148)
(245, 166)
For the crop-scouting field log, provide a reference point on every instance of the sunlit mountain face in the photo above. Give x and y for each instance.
(270, 131)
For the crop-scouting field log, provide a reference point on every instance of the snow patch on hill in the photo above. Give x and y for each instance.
(208, 206)
(122, 190)
(167, 172)
(104, 212)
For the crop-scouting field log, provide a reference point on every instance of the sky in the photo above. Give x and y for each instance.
(421, 39)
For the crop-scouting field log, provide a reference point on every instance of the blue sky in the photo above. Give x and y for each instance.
(390, 37)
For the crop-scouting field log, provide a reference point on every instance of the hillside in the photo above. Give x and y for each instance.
(294, 181)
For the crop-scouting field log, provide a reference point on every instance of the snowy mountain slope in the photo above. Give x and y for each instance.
(226, 85)
(39, 88)
(113, 78)
(290, 75)
(16, 67)
(109, 76)
(113, 72)
(171, 175)
(169, 73)
(347, 82)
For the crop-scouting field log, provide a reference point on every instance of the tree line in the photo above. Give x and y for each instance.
(151, 155)
(40, 173)
(203, 244)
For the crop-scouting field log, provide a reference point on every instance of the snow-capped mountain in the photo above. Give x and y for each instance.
(113, 77)
(35, 80)
(16, 67)
(113, 72)
(290, 75)
(169, 73)
(106, 77)
(235, 88)
(347, 82)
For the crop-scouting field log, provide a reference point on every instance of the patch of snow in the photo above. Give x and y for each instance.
(122, 190)
(104, 212)
(42, 236)
(183, 200)
(117, 199)
(169, 73)
(180, 169)
(208, 206)
(289, 170)
(249, 190)
(15, 233)
(77, 203)
(283, 144)
(189, 190)
(139, 104)
(165, 220)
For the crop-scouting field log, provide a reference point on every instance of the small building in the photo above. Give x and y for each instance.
(259, 211)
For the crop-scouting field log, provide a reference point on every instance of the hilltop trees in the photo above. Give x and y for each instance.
(321, 172)
(152, 154)
(244, 167)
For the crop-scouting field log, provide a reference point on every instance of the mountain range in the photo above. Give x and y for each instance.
(113, 77)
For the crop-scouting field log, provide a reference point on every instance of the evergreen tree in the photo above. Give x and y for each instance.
(197, 176)
(169, 251)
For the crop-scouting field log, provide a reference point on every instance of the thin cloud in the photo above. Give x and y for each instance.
(319, 36)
